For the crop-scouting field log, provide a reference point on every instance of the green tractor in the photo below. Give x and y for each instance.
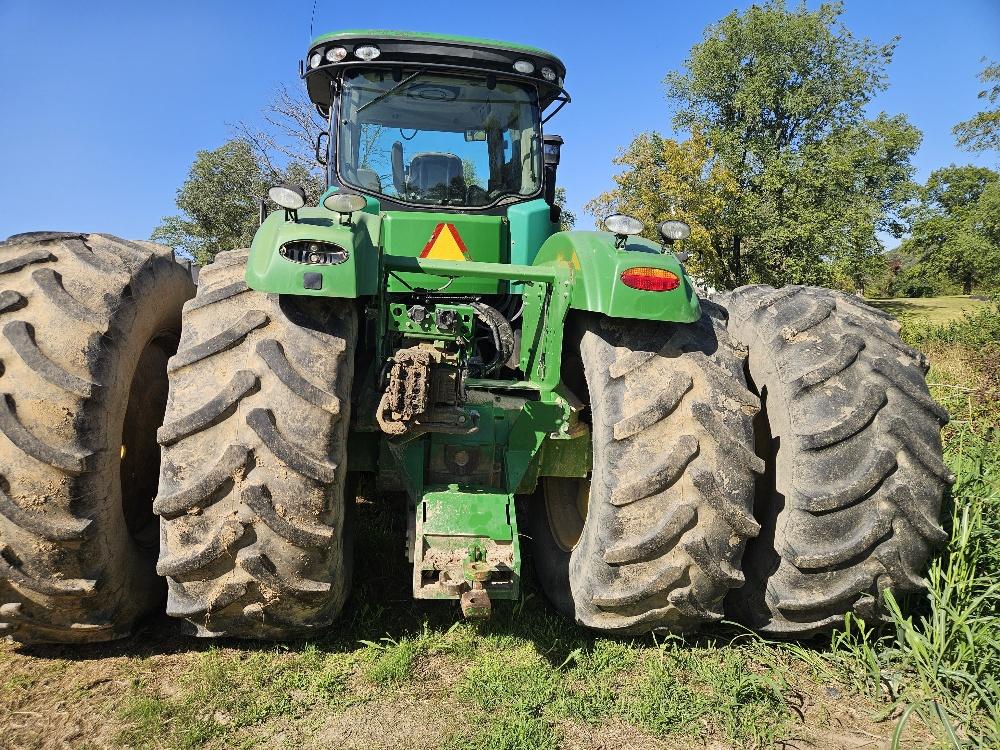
(773, 456)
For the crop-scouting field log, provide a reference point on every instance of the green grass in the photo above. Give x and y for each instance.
(931, 310)
(222, 693)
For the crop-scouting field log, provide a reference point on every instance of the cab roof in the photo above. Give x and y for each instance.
(441, 52)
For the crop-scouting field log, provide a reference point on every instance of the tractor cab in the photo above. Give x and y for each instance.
(423, 122)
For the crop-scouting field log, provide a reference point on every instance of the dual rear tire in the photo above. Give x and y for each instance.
(674, 534)
(252, 481)
(248, 397)
(663, 520)
(87, 323)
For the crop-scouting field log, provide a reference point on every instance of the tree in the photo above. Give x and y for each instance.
(567, 219)
(955, 228)
(779, 98)
(665, 179)
(289, 131)
(982, 132)
(219, 200)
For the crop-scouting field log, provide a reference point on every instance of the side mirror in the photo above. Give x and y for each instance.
(321, 148)
(551, 145)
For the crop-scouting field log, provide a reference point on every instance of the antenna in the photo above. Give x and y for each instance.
(311, 19)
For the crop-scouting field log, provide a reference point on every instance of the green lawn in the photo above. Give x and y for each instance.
(934, 310)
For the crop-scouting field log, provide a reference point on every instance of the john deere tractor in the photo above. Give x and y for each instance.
(774, 458)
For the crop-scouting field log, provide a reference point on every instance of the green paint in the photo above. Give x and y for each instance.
(530, 226)
(597, 266)
(458, 269)
(452, 512)
(406, 234)
(399, 321)
(373, 35)
(456, 527)
(267, 271)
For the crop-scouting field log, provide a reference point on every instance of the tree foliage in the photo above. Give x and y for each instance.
(982, 132)
(567, 219)
(665, 178)
(955, 227)
(807, 179)
(219, 200)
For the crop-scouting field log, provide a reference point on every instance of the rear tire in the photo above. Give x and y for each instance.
(856, 477)
(87, 323)
(671, 489)
(251, 492)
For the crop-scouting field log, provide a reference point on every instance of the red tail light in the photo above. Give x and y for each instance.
(650, 279)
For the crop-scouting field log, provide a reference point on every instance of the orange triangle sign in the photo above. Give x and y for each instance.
(445, 244)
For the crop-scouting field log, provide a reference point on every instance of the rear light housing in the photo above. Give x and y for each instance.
(649, 279)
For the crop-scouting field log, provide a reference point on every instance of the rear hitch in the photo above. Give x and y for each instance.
(464, 546)
(476, 604)
(470, 588)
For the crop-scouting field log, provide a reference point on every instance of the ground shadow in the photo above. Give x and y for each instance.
(899, 308)
(381, 606)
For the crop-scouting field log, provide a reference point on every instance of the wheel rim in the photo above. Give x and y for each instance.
(566, 503)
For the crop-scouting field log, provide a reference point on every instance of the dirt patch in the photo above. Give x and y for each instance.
(404, 722)
(616, 735)
(833, 721)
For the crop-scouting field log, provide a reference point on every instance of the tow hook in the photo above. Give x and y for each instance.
(475, 601)
(476, 604)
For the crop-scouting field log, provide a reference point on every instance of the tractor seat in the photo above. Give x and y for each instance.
(369, 180)
(438, 173)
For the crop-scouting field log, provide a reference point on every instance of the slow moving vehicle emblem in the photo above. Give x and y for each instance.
(445, 244)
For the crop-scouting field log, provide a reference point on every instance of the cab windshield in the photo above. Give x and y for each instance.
(432, 139)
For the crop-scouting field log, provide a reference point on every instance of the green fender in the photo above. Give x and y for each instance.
(597, 266)
(357, 276)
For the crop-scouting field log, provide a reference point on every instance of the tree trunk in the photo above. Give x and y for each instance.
(736, 262)
(967, 285)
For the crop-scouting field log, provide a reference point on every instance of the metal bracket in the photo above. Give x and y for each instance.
(465, 546)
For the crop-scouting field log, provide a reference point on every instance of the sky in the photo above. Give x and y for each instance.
(104, 104)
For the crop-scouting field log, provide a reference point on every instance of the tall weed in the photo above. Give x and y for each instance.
(941, 660)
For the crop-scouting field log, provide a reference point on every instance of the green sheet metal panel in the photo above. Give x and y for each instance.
(427, 37)
(357, 276)
(451, 526)
(530, 226)
(469, 514)
(408, 234)
(597, 266)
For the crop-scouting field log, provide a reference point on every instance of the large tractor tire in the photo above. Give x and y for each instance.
(849, 505)
(87, 323)
(653, 539)
(254, 463)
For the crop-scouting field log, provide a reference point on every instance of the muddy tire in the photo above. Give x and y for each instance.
(87, 323)
(850, 503)
(251, 492)
(671, 491)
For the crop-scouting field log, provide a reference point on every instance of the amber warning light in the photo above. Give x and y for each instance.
(650, 279)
